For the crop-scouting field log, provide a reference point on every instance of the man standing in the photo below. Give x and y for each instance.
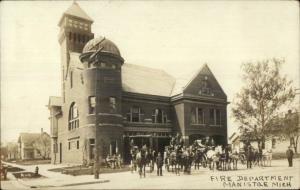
(289, 155)
(159, 163)
(249, 154)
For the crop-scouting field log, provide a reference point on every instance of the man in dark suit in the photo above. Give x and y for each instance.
(290, 155)
(159, 163)
(249, 154)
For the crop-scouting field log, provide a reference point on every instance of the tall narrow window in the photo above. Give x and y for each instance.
(157, 116)
(218, 117)
(77, 144)
(73, 117)
(112, 104)
(135, 115)
(92, 147)
(200, 114)
(92, 104)
(212, 116)
(193, 115)
(71, 79)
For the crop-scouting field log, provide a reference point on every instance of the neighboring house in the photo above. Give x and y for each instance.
(127, 101)
(34, 145)
(275, 144)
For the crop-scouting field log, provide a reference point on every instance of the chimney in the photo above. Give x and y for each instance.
(42, 130)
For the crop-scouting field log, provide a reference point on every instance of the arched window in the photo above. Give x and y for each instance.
(159, 116)
(73, 117)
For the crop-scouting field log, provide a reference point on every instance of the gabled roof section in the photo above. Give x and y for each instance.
(76, 11)
(204, 79)
(145, 80)
(150, 81)
(55, 101)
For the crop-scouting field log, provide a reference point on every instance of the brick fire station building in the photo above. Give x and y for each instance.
(127, 101)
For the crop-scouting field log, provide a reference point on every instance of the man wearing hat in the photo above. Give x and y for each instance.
(289, 155)
(159, 163)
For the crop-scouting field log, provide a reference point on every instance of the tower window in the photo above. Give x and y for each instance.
(71, 79)
(74, 37)
(92, 104)
(112, 104)
(70, 35)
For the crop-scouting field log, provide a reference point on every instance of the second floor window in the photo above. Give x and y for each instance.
(134, 115)
(159, 116)
(214, 117)
(197, 116)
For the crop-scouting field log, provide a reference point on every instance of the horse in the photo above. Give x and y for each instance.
(150, 158)
(233, 158)
(187, 161)
(133, 161)
(213, 159)
(267, 157)
(141, 162)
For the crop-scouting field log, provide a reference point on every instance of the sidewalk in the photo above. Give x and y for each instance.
(54, 179)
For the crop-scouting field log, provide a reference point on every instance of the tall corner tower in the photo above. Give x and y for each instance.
(75, 32)
(102, 64)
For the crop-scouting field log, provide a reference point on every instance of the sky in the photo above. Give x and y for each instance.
(176, 36)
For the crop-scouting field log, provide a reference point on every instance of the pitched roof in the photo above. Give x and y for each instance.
(75, 11)
(145, 80)
(28, 138)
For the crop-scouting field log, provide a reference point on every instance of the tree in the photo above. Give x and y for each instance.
(287, 127)
(262, 98)
(42, 145)
(12, 150)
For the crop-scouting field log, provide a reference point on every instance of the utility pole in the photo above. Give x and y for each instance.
(97, 143)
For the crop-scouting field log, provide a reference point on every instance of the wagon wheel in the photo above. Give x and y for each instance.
(242, 158)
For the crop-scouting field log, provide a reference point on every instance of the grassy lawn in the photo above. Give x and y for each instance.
(77, 170)
(31, 162)
(278, 156)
